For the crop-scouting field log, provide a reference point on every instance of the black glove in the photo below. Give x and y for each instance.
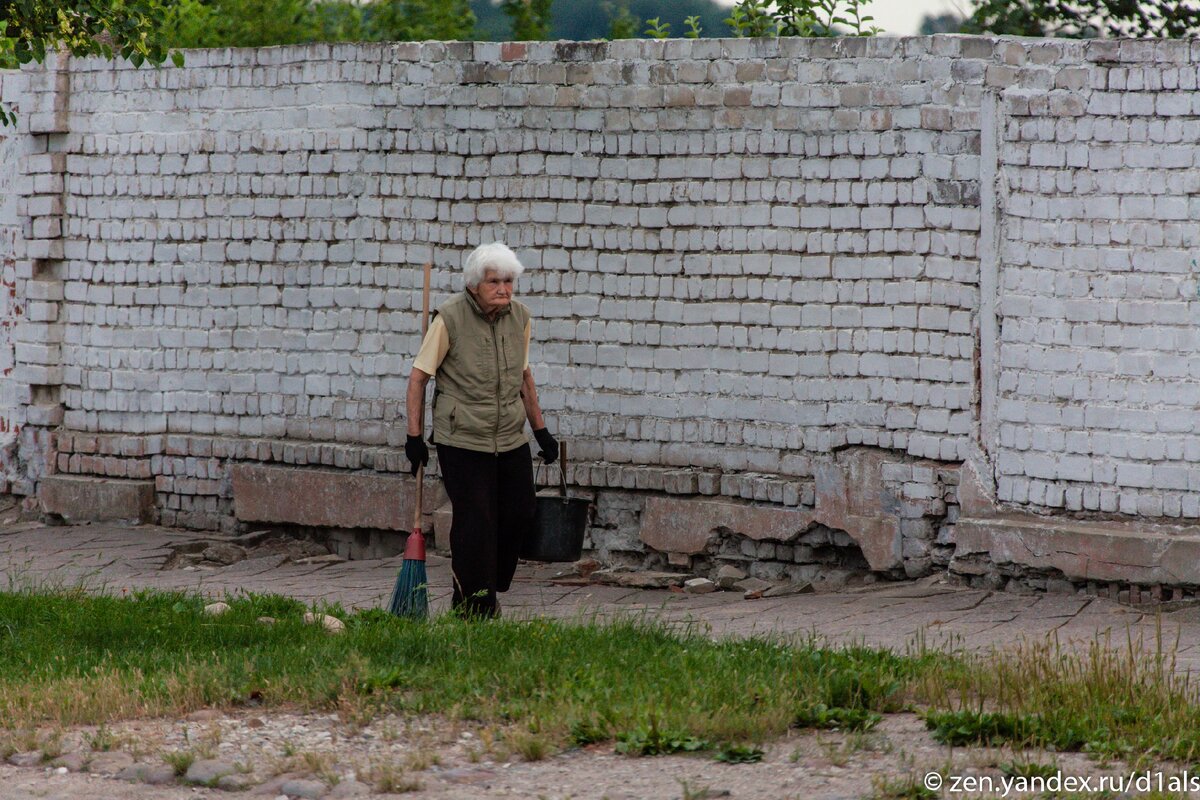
(417, 452)
(548, 444)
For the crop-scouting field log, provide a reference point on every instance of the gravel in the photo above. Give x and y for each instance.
(275, 755)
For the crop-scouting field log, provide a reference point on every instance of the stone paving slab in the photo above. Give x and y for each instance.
(894, 615)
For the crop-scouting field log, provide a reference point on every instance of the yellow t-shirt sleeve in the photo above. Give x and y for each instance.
(433, 348)
(528, 333)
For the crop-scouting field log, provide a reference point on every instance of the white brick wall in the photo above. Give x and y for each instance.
(1099, 281)
(740, 256)
(743, 255)
(11, 149)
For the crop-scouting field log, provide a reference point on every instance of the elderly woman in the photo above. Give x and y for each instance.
(478, 348)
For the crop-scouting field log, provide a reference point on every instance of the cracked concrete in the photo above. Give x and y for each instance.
(111, 558)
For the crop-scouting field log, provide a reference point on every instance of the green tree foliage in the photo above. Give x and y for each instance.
(940, 23)
(530, 19)
(605, 19)
(801, 18)
(129, 29)
(241, 23)
(622, 23)
(1086, 18)
(420, 20)
(339, 21)
(657, 30)
(259, 23)
(7, 59)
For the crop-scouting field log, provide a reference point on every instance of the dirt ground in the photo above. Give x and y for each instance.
(442, 759)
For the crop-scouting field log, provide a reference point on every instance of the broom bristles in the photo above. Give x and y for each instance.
(410, 596)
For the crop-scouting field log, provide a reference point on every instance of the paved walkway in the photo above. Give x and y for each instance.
(893, 615)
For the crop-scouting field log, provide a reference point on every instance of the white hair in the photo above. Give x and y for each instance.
(496, 257)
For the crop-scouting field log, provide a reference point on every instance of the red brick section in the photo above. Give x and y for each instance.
(512, 51)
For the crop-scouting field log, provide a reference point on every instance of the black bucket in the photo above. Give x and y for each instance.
(559, 524)
(558, 529)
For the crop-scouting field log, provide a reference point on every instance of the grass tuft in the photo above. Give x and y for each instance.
(820, 715)
(589, 731)
(180, 760)
(652, 740)
(740, 754)
(906, 787)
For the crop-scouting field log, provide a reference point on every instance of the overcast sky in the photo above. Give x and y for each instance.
(903, 17)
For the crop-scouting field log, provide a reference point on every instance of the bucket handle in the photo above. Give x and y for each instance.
(562, 470)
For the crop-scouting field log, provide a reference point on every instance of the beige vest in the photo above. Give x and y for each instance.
(477, 397)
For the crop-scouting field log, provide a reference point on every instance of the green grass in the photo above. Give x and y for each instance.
(1115, 702)
(68, 657)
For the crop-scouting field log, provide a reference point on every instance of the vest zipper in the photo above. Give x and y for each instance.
(496, 355)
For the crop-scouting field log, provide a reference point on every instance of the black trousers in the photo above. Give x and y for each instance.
(492, 497)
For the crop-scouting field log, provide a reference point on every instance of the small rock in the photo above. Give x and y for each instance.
(309, 790)
(785, 590)
(331, 624)
(273, 787)
(109, 763)
(153, 774)
(31, 758)
(752, 585)
(61, 770)
(266, 620)
(467, 775)
(326, 558)
(835, 578)
(131, 773)
(72, 762)
(204, 715)
(159, 775)
(234, 783)
(208, 771)
(728, 576)
(638, 580)
(216, 609)
(699, 586)
(350, 788)
(224, 553)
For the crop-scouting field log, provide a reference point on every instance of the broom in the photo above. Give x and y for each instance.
(410, 596)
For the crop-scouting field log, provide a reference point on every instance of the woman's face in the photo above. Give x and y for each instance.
(494, 292)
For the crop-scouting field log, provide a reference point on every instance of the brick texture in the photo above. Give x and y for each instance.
(744, 256)
(11, 145)
(1099, 284)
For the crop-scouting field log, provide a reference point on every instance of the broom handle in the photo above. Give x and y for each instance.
(421, 468)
